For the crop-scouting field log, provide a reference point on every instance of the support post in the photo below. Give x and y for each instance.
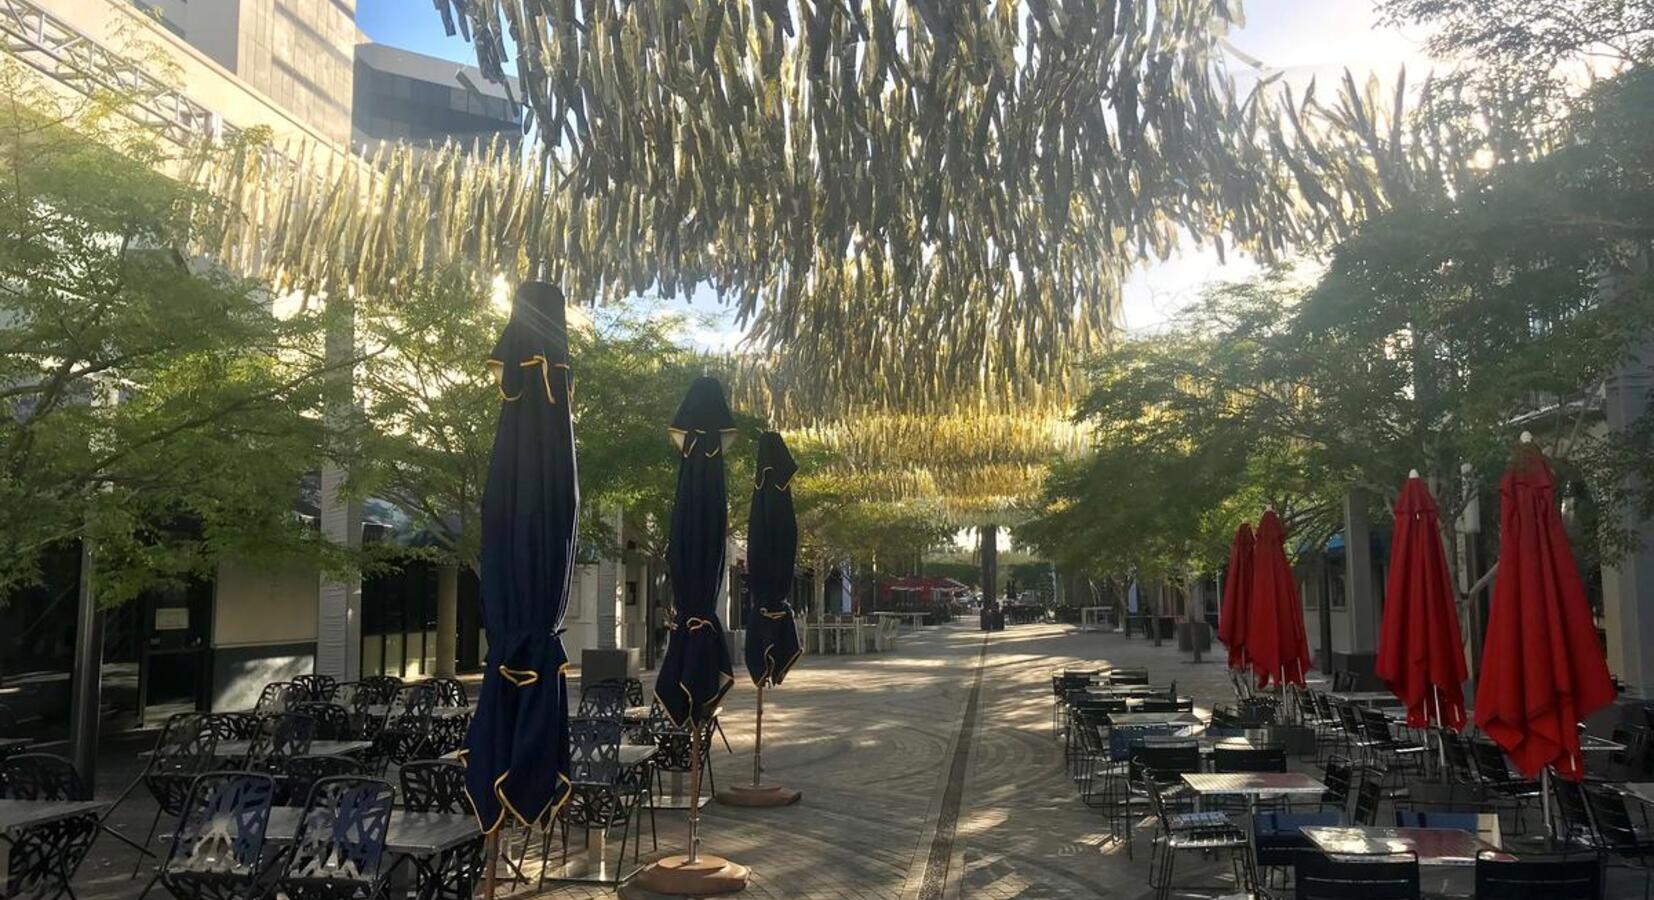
(87, 683)
(447, 618)
(1628, 581)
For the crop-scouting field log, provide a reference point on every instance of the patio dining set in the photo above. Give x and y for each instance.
(1370, 807)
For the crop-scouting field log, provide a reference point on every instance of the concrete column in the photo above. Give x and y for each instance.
(447, 617)
(1628, 582)
(339, 605)
(1359, 586)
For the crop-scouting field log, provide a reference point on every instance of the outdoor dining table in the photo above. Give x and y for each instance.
(379, 710)
(16, 815)
(1125, 690)
(631, 755)
(1252, 785)
(420, 838)
(1368, 698)
(1129, 719)
(1432, 846)
(233, 749)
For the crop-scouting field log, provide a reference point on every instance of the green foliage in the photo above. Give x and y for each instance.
(157, 407)
(1436, 333)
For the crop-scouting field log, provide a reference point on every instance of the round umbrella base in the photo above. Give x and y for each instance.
(676, 875)
(760, 795)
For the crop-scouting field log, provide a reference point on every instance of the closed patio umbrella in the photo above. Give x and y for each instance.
(517, 751)
(1542, 668)
(696, 672)
(1420, 649)
(1237, 585)
(1276, 644)
(772, 638)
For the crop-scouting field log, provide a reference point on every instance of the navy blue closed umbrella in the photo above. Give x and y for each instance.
(517, 751)
(696, 672)
(772, 554)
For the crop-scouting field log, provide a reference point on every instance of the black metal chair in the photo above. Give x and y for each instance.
(333, 722)
(1278, 838)
(47, 777)
(1457, 819)
(1461, 769)
(276, 697)
(1572, 822)
(1338, 776)
(43, 858)
(600, 796)
(338, 851)
(314, 688)
(234, 726)
(1203, 832)
(1128, 676)
(301, 774)
(1497, 784)
(672, 748)
(603, 700)
(184, 749)
(410, 732)
(1253, 759)
(434, 785)
(1556, 877)
(1160, 765)
(450, 692)
(1369, 794)
(280, 738)
(1626, 845)
(1389, 877)
(217, 850)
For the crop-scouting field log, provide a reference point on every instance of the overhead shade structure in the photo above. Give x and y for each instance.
(517, 751)
(1237, 586)
(1542, 668)
(1420, 647)
(771, 635)
(696, 672)
(1276, 645)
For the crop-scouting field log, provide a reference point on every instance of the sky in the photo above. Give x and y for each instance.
(1303, 37)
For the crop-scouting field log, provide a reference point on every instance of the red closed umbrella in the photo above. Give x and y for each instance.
(1542, 667)
(1237, 584)
(1276, 644)
(1420, 650)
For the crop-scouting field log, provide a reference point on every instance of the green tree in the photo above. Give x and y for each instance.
(154, 405)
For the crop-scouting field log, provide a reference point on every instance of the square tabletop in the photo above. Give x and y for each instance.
(630, 754)
(1123, 690)
(1433, 846)
(1590, 743)
(18, 814)
(317, 748)
(380, 710)
(1365, 697)
(1129, 719)
(1253, 783)
(410, 833)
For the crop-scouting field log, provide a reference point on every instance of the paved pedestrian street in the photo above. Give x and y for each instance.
(929, 772)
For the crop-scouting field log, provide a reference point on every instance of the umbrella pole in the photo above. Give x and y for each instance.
(694, 791)
(1545, 799)
(492, 853)
(758, 740)
(1441, 726)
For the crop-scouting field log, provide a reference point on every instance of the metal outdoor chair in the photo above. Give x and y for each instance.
(280, 738)
(314, 688)
(673, 750)
(301, 774)
(1338, 776)
(1497, 784)
(48, 777)
(338, 851)
(600, 796)
(409, 732)
(233, 726)
(217, 850)
(276, 697)
(184, 749)
(1159, 766)
(43, 858)
(333, 722)
(1557, 877)
(1386, 747)
(1203, 833)
(1627, 845)
(1278, 839)
(603, 700)
(1254, 759)
(450, 692)
(1389, 877)
(434, 785)
(1128, 676)
(1369, 794)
